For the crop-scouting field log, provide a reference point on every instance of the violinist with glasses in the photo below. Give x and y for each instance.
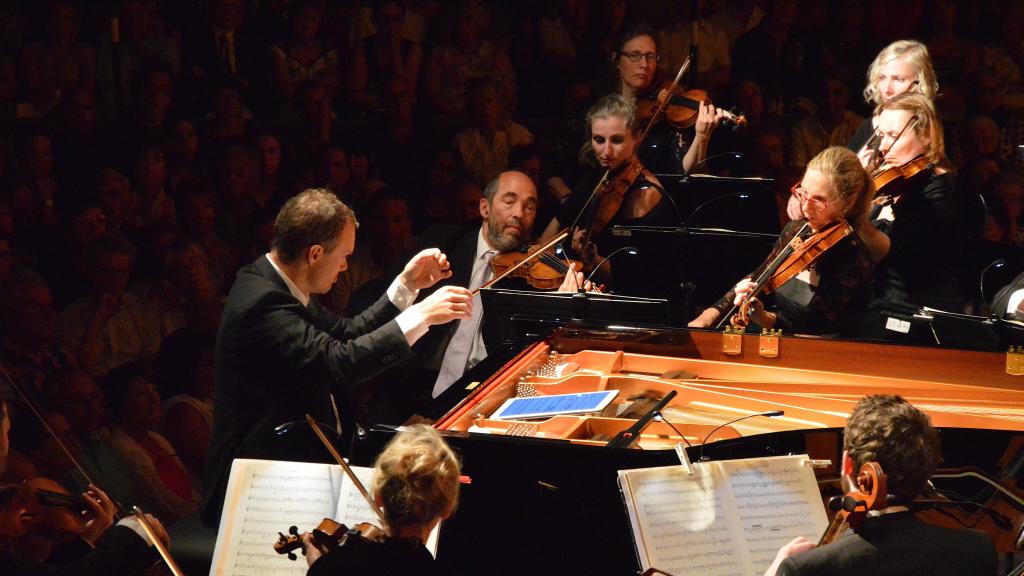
(914, 228)
(416, 485)
(819, 270)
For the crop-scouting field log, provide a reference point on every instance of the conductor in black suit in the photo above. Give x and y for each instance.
(892, 541)
(281, 355)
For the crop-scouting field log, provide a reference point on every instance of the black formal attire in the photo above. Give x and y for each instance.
(119, 551)
(396, 557)
(418, 376)
(632, 275)
(898, 544)
(862, 135)
(277, 360)
(835, 305)
(921, 268)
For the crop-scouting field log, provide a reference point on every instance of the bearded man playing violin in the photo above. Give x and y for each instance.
(828, 289)
(101, 548)
(507, 211)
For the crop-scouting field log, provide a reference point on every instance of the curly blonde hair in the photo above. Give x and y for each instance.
(416, 479)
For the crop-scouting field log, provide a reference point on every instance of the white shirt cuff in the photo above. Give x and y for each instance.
(401, 295)
(135, 526)
(1014, 301)
(413, 325)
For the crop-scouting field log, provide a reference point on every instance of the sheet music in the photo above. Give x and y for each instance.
(266, 497)
(728, 518)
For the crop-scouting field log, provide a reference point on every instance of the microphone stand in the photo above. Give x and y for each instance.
(627, 437)
(772, 414)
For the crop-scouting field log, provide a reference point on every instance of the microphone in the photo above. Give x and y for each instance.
(772, 414)
(737, 155)
(282, 429)
(740, 195)
(997, 263)
(631, 250)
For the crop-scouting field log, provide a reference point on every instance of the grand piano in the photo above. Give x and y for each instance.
(543, 496)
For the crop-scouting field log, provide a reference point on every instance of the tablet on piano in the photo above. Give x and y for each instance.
(541, 406)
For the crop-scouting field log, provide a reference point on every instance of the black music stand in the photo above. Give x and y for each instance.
(697, 265)
(512, 314)
(718, 201)
(973, 332)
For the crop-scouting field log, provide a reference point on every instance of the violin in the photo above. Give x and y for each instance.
(681, 107)
(799, 255)
(544, 271)
(327, 536)
(888, 180)
(851, 508)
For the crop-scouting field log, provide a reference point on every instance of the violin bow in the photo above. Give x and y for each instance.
(344, 466)
(165, 554)
(663, 102)
(769, 270)
(537, 253)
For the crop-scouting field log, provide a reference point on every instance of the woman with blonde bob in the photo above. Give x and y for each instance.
(830, 295)
(416, 484)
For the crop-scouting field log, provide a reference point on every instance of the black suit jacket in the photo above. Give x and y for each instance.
(276, 361)
(120, 551)
(898, 544)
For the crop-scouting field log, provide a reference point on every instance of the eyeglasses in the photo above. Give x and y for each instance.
(636, 55)
(803, 196)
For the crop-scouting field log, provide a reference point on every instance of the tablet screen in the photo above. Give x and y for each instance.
(538, 406)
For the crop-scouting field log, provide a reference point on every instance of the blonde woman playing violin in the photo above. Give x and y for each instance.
(828, 296)
(913, 232)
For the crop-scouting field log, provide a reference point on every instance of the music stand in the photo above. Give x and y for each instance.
(509, 314)
(721, 257)
(972, 332)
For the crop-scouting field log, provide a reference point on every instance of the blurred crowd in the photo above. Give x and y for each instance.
(146, 146)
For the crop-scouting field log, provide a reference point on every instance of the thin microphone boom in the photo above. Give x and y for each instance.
(632, 250)
(740, 195)
(997, 263)
(772, 414)
(734, 153)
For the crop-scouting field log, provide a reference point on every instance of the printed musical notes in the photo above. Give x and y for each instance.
(728, 518)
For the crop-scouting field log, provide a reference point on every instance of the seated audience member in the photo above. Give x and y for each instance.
(892, 541)
(389, 244)
(491, 136)
(111, 326)
(416, 485)
(305, 54)
(122, 549)
(184, 372)
(74, 394)
(159, 477)
(388, 46)
(29, 347)
(831, 124)
(155, 207)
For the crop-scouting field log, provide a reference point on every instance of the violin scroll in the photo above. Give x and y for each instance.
(851, 508)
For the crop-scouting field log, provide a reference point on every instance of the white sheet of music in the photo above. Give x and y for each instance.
(265, 497)
(729, 517)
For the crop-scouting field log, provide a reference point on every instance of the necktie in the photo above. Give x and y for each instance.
(458, 357)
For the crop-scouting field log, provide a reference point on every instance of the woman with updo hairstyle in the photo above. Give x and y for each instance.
(830, 295)
(416, 484)
(612, 132)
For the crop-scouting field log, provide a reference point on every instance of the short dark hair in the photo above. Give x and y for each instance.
(315, 216)
(887, 429)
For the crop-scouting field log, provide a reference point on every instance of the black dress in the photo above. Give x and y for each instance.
(390, 557)
(921, 266)
(835, 304)
(631, 274)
